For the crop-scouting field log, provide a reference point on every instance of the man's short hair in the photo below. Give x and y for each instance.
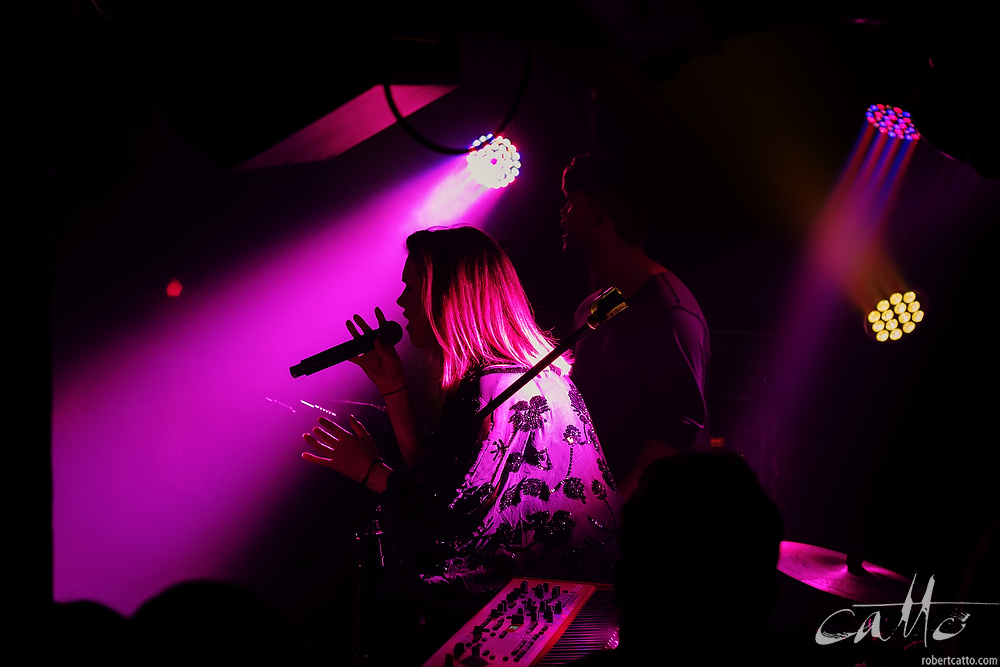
(617, 184)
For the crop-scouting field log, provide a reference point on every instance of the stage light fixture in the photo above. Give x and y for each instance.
(892, 121)
(896, 316)
(493, 161)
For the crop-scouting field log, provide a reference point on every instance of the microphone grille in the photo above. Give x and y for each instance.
(390, 333)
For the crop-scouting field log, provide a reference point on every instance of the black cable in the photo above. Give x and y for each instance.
(438, 148)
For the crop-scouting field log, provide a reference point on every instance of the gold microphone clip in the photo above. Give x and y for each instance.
(609, 303)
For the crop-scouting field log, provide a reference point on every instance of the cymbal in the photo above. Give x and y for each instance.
(829, 571)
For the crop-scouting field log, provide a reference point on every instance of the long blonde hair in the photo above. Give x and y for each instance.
(475, 303)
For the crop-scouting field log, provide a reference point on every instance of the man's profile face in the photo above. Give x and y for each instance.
(578, 218)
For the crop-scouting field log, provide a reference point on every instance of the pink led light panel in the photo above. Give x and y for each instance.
(892, 121)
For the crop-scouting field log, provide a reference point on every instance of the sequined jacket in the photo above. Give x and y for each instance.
(537, 496)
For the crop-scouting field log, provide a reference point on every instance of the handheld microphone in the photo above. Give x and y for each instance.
(389, 333)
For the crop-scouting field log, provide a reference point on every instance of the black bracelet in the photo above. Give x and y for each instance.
(395, 391)
(364, 482)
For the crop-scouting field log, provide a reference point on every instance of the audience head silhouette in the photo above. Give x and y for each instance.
(214, 623)
(700, 541)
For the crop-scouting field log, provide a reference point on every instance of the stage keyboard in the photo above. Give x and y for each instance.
(543, 622)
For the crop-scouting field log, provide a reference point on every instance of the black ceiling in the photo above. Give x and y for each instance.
(235, 77)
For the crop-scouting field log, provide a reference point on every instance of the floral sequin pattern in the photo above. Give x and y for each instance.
(606, 474)
(554, 529)
(514, 462)
(572, 436)
(510, 497)
(539, 458)
(573, 488)
(538, 489)
(527, 415)
(499, 450)
(535, 487)
(576, 400)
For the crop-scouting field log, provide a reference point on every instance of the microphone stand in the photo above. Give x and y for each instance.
(365, 522)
